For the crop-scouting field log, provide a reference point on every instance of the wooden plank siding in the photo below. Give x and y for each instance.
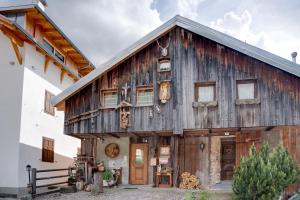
(193, 59)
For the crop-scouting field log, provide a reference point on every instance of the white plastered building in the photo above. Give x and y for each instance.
(36, 61)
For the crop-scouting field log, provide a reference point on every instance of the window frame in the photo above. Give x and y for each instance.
(143, 88)
(54, 50)
(105, 91)
(205, 84)
(45, 157)
(246, 81)
(50, 109)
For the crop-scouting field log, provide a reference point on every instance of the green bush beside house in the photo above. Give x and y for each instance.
(264, 175)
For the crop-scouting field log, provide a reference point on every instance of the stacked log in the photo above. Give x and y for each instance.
(189, 181)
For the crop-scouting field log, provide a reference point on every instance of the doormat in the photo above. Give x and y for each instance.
(130, 188)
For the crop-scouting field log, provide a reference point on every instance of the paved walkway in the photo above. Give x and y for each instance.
(140, 193)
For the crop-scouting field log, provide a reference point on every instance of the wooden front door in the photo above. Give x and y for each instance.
(139, 164)
(227, 158)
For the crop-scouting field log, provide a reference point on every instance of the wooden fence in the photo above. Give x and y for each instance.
(34, 181)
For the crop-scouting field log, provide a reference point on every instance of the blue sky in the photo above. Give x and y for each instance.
(101, 28)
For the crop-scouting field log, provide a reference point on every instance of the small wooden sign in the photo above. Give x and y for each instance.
(164, 65)
(153, 162)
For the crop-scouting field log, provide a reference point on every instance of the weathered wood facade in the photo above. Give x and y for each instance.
(183, 123)
(193, 59)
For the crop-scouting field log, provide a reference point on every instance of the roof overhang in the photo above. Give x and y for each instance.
(6, 24)
(33, 11)
(194, 27)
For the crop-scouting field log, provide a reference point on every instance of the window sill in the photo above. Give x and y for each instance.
(205, 104)
(138, 106)
(106, 108)
(247, 101)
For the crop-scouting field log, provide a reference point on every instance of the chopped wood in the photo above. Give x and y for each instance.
(189, 181)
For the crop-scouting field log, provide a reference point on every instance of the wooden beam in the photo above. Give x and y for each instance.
(113, 135)
(12, 35)
(55, 38)
(46, 64)
(62, 75)
(40, 21)
(17, 51)
(269, 128)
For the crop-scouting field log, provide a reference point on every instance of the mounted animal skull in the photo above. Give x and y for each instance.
(164, 50)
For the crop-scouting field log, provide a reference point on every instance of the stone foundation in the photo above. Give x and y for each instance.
(215, 160)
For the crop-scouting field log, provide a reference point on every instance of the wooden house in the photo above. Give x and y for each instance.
(37, 61)
(184, 98)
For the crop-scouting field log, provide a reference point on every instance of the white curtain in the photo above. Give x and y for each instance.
(206, 93)
(246, 90)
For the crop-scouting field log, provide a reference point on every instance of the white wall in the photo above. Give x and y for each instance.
(35, 123)
(122, 160)
(10, 113)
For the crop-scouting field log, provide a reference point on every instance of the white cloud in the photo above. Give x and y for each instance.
(103, 28)
(240, 26)
(188, 8)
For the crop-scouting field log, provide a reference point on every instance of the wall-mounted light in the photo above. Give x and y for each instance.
(28, 169)
(150, 113)
(202, 146)
(145, 140)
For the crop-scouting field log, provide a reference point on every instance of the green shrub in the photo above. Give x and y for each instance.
(107, 175)
(264, 175)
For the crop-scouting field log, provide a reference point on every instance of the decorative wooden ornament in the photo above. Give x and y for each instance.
(112, 150)
(124, 114)
(164, 91)
(164, 65)
(125, 89)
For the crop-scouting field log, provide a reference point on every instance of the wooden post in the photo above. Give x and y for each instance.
(174, 153)
(33, 183)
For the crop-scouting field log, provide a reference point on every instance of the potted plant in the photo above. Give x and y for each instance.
(72, 180)
(106, 176)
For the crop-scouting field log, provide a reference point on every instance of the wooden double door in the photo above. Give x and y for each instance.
(138, 164)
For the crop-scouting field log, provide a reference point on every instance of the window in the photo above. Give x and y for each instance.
(48, 108)
(109, 99)
(246, 89)
(48, 150)
(144, 96)
(59, 56)
(56, 53)
(205, 92)
(139, 154)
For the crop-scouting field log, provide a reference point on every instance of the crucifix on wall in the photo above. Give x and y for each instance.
(125, 89)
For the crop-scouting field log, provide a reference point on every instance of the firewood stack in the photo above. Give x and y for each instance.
(189, 181)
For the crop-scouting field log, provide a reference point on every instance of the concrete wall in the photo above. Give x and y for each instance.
(35, 123)
(10, 112)
(121, 161)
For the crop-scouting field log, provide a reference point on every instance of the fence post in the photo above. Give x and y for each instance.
(33, 185)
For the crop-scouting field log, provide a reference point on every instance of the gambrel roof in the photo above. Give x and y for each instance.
(196, 28)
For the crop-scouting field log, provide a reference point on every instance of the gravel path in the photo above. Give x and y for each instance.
(130, 194)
